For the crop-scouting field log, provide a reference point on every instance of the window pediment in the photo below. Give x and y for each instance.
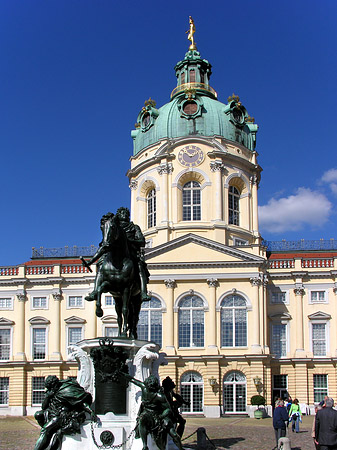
(280, 316)
(319, 315)
(6, 322)
(39, 320)
(75, 320)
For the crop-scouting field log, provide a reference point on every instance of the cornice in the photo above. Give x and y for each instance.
(204, 242)
(202, 265)
(14, 282)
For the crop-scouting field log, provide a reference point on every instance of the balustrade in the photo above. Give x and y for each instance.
(74, 268)
(39, 270)
(9, 271)
(317, 263)
(281, 264)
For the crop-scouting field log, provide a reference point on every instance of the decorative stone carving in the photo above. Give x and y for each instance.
(57, 296)
(165, 168)
(191, 292)
(299, 290)
(133, 184)
(86, 375)
(253, 179)
(216, 166)
(212, 282)
(22, 296)
(170, 284)
(255, 281)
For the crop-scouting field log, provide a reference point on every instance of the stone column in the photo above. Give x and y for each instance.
(299, 292)
(217, 167)
(20, 327)
(256, 322)
(212, 322)
(164, 170)
(133, 186)
(254, 185)
(56, 327)
(169, 322)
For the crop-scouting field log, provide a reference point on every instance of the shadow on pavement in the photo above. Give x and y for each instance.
(219, 443)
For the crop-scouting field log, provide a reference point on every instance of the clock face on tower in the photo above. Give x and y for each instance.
(190, 156)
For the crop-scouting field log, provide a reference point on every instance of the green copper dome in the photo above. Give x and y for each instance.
(193, 111)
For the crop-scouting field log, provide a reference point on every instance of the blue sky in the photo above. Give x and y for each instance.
(75, 73)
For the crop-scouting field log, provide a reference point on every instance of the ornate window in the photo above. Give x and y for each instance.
(191, 201)
(5, 343)
(233, 321)
(39, 343)
(74, 330)
(279, 340)
(151, 208)
(192, 390)
(4, 391)
(38, 390)
(150, 321)
(234, 392)
(233, 205)
(191, 321)
(110, 331)
(320, 387)
(319, 339)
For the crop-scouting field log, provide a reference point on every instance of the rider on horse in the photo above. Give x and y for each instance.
(136, 242)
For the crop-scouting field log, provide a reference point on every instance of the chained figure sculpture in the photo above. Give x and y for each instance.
(155, 415)
(63, 412)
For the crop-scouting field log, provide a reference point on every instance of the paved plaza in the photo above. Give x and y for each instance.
(18, 433)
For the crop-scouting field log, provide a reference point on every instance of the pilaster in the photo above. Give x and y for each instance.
(169, 321)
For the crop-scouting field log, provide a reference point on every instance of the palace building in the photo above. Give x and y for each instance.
(235, 315)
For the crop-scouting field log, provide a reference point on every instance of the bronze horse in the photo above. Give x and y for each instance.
(117, 274)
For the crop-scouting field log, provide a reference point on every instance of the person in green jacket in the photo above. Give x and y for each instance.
(296, 416)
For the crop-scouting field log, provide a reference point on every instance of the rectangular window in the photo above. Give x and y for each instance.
(38, 390)
(5, 343)
(111, 331)
(317, 296)
(6, 303)
(192, 76)
(280, 381)
(278, 297)
(74, 335)
(279, 340)
(320, 387)
(109, 301)
(39, 343)
(40, 302)
(319, 339)
(4, 390)
(75, 301)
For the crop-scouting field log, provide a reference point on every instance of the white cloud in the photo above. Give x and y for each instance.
(330, 177)
(304, 208)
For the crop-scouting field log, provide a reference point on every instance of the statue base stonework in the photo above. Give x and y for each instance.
(117, 401)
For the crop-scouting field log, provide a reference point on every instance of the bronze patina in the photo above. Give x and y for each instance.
(156, 415)
(121, 270)
(63, 412)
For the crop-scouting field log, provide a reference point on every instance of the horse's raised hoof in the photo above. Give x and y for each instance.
(90, 297)
(99, 311)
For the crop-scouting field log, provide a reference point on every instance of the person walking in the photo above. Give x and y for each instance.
(280, 419)
(326, 427)
(295, 414)
(317, 408)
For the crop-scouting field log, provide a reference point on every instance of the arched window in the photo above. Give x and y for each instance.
(191, 201)
(233, 205)
(191, 321)
(233, 321)
(151, 208)
(234, 392)
(192, 390)
(150, 321)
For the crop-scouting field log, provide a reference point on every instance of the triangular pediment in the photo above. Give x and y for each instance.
(319, 315)
(5, 322)
(192, 250)
(74, 320)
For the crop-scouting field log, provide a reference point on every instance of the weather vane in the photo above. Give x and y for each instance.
(190, 36)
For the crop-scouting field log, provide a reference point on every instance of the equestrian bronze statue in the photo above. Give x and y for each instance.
(121, 270)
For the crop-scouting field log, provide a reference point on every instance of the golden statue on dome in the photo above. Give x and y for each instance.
(190, 36)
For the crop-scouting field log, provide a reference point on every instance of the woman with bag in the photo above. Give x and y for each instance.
(295, 415)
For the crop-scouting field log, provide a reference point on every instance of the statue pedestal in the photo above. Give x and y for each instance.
(143, 360)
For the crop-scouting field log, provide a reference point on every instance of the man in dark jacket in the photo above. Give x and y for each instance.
(326, 426)
(280, 419)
